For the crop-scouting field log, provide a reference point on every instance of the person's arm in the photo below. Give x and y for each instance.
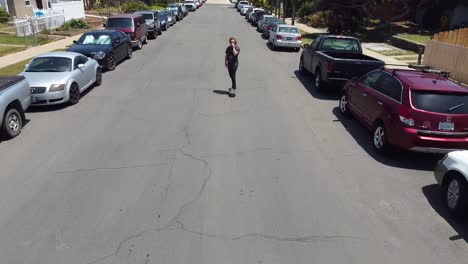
(234, 50)
(226, 60)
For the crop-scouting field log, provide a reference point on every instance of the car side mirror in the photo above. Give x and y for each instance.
(104, 25)
(117, 41)
(138, 24)
(26, 65)
(75, 41)
(81, 66)
(305, 46)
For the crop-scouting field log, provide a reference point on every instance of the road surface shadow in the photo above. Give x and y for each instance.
(399, 159)
(281, 49)
(434, 196)
(222, 92)
(309, 85)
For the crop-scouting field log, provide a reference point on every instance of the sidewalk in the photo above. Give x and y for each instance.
(308, 29)
(34, 51)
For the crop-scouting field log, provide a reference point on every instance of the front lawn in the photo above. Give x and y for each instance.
(14, 69)
(4, 50)
(415, 37)
(12, 39)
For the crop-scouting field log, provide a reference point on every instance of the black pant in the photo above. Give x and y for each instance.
(232, 68)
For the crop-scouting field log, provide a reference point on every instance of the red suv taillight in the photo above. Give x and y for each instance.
(299, 38)
(269, 27)
(279, 37)
(331, 67)
(406, 117)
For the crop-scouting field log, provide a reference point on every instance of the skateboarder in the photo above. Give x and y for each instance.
(231, 62)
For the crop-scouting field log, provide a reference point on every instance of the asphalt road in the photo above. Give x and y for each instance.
(157, 165)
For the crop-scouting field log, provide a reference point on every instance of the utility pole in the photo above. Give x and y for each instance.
(294, 2)
(276, 8)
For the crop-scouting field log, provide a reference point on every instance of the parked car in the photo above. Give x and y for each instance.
(190, 7)
(193, 3)
(199, 3)
(108, 47)
(132, 24)
(240, 4)
(184, 10)
(164, 20)
(269, 27)
(14, 101)
(244, 9)
(451, 174)
(410, 110)
(153, 24)
(335, 59)
(254, 10)
(255, 16)
(285, 36)
(60, 77)
(177, 10)
(170, 17)
(263, 21)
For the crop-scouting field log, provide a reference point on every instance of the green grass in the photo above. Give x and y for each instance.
(12, 39)
(415, 37)
(396, 52)
(14, 69)
(4, 50)
(157, 7)
(307, 37)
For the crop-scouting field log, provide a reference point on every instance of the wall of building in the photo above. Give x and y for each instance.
(70, 9)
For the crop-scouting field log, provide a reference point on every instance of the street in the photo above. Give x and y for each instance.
(159, 165)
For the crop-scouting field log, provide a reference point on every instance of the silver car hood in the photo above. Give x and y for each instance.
(46, 78)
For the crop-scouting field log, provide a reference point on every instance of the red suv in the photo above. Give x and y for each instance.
(411, 110)
(133, 25)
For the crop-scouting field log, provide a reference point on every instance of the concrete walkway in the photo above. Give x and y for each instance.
(34, 51)
(386, 59)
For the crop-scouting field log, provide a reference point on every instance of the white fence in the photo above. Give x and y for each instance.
(26, 27)
(70, 9)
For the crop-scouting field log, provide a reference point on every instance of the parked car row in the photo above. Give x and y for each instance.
(60, 77)
(278, 33)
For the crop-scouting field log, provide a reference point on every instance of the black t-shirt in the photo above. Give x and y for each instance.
(230, 56)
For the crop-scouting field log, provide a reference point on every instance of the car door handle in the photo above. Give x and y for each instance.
(379, 103)
(364, 94)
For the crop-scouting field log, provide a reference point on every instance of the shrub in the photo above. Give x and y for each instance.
(133, 6)
(74, 24)
(4, 16)
(320, 19)
(307, 9)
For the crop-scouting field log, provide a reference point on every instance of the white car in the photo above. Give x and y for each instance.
(241, 4)
(191, 2)
(255, 10)
(451, 174)
(285, 36)
(244, 9)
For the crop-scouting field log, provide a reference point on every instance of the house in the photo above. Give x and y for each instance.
(29, 8)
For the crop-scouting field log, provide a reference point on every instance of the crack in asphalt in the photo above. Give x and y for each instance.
(113, 168)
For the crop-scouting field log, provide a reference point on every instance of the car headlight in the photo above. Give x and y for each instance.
(57, 87)
(99, 55)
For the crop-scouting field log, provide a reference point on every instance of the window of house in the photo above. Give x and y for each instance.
(27, 2)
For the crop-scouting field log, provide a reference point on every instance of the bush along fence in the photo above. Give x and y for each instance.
(448, 51)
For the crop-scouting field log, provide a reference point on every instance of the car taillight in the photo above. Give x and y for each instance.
(330, 67)
(279, 37)
(299, 38)
(270, 27)
(405, 115)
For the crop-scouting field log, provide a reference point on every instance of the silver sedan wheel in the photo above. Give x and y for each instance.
(453, 194)
(344, 104)
(379, 137)
(14, 123)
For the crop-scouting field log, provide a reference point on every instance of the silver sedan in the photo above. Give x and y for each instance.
(61, 77)
(285, 36)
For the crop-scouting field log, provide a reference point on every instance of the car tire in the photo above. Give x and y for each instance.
(319, 84)
(145, 41)
(74, 96)
(152, 35)
(455, 192)
(111, 62)
(12, 123)
(98, 77)
(379, 138)
(139, 45)
(129, 52)
(159, 31)
(344, 105)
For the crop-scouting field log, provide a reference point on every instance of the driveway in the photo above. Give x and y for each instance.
(158, 165)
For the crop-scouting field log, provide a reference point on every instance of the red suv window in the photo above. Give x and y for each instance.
(437, 102)
(390, 86)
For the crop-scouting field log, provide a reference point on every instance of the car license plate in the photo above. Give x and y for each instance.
(446, 126)
(289, 38)
(33, 99)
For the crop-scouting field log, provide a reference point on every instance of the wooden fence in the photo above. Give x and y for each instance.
(448, 57)
(458, 37)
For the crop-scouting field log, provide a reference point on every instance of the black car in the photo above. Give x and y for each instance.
(108, 47)
(176, 10)
(164, 19)
(257, 15)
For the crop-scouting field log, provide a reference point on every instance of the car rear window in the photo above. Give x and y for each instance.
(437, 102)
(148, 16)
(120, 23)
(288, 30)
(331, 44)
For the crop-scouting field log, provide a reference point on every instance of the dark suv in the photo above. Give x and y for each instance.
(153, 23)
(133, 25)
(419, 110)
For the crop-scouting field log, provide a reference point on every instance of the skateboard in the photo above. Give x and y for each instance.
(232, 93)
